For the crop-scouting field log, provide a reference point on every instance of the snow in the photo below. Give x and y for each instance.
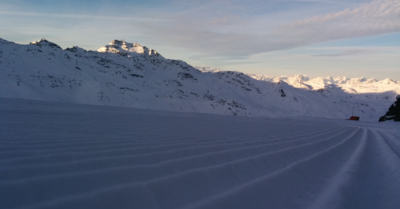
(126, 74)
(69, 140)
(59, 155)
(45, 43)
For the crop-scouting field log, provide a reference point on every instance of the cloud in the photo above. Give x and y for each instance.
(349, 52)
(216, 28)
(375, 18)
(231, 35)
(79, 16)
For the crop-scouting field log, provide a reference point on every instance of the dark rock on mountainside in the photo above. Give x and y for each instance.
(394, 111)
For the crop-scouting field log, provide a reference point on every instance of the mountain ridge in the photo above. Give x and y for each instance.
(305, 78)
(130, 75)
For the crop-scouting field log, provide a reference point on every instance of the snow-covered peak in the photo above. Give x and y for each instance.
(388, 81)
(76, 49)
(304, 81)
(296, 78)
(125, 48)
(208, 69)
(44, 42)
(2, 41)
(327, 80)
(360, 80)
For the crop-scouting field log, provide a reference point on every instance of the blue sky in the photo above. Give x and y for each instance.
(352, 38)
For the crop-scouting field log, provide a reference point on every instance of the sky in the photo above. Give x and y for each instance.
(352, 38)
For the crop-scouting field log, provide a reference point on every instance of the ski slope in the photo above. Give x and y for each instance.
(58, 155)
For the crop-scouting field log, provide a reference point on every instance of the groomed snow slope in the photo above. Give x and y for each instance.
(57, 155)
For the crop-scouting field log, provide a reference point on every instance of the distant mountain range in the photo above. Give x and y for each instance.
(131, 75)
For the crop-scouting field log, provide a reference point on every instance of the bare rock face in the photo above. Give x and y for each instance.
(125, 48)
(45, 43)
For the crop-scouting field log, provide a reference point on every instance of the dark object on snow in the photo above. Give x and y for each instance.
(394, 111)
(357, 118)
(354, 118)
(282, 93)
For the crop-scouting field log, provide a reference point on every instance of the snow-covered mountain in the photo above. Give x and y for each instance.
(131, 75)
